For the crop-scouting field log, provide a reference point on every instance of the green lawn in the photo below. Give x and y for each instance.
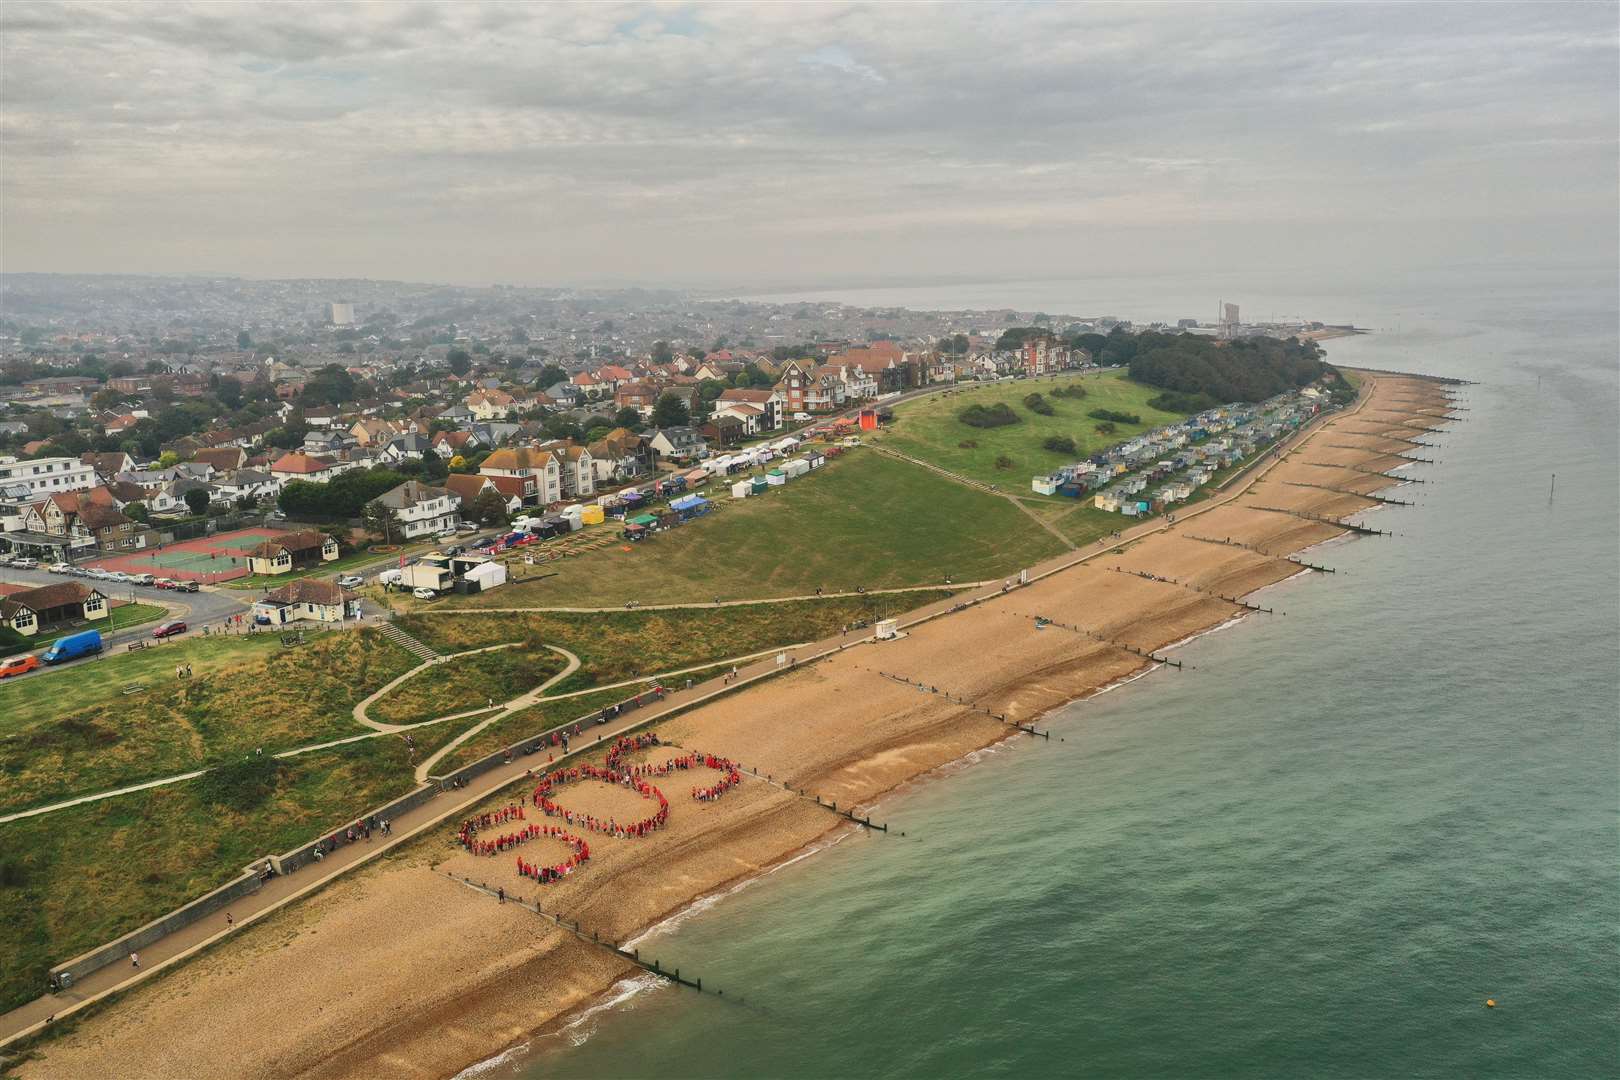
(862, 520)
(275, 699)
(131, 615)
(80, 877)
(928, 429)
(535, 720)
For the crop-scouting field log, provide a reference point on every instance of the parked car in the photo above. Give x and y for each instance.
(84, 643)
(424, 593)
(351, 581)
(60, 568)
(142, 579)
(169, 629)
(164, 583)
(25, 564)
(466, 528)
(18, 665)
(185, 586)
(5, 560)
(448, 534)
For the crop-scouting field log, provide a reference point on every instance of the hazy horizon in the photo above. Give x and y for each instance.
(768, 148)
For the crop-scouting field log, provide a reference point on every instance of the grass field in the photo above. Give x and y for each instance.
(468, 683)
(535, 720)
(928, 429)
(862, 520)
(77, 878)
(125, 615)
(271, 699)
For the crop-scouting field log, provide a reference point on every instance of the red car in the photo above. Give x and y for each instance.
(169, 629)
(18, 665)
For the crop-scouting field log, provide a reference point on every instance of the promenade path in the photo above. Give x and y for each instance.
(180, 945)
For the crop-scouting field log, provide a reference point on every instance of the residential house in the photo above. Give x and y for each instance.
(678, 443)
(807, 390)
(292, 551)
(28, 611)
(725, 430)
(449, 444)
(641, 396)
(537, 474)
(759, 410)
(403, 448)
(421, 509)
(373, 432)
(107, 466)
(221, 459)
(45, 475)
(307, 598)
(297, 465)
(468, 487)
(621, 455)
(491, 404)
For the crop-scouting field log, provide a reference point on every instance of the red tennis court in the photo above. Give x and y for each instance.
(208, 559)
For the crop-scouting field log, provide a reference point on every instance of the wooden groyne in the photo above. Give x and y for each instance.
(1387, 436)
(1366, 472)
(1347, 491)
(1443, 380)
(1184, 585)
(1382, 453)
(1258, 551)
(1042, 621)
(808, 796)
(633, 956)
(964, 703)
(1347, 526)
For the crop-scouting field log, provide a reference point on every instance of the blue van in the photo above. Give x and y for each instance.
(84, 643)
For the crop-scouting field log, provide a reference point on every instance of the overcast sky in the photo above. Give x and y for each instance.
(773, 144)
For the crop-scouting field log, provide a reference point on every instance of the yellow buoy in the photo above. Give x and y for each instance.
(1490, 1003)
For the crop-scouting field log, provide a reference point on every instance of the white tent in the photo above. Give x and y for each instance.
(488, 575)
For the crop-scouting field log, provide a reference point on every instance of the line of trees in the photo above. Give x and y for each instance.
(1248, 369)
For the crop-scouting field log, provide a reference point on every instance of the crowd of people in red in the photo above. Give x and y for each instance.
(693, 760)
(468, 836)
(644, 827)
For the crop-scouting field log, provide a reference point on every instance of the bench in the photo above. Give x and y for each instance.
(132, 646)
(133, 688)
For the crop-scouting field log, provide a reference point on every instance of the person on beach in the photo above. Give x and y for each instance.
(134, 960)
(230, 923)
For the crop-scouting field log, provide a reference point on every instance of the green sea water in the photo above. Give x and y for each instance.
(1316, 854)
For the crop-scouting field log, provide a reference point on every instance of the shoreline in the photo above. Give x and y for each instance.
(858, 753)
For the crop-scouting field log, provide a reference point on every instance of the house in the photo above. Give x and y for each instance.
(641, 396)
(248, 484)
(308, 598)
(370, 432)
(808, 390)
(725, 430)
(114, 531)
(449, 444)
(680, 443)
(107, 466)
(45, 475)
(491, 404)
(221, 459)
(760, 410)
(539, 474)
(469, 487)
(292, 551)
(28, 611)
(404, 448)
(297, 465)
(621, 455)
(574, 467)
(421, 509)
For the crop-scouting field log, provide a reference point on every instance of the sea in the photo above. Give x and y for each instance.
(1316, 851)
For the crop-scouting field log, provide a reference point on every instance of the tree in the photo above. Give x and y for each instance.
(136, 511)
(551, 375)
(662, 353)
(197, 500)
(381, 521)
(168, 460)
(433, 467)
(671, 411)
(460, 361)
(628, 417)
(243, 340)
(331, 385)
(458, 463)
(489, 508)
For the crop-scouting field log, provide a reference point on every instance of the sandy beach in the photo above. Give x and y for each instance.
(399, 970)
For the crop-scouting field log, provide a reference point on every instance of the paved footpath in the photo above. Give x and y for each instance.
(281, 891)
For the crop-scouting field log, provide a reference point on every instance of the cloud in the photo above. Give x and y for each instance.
(548, 142)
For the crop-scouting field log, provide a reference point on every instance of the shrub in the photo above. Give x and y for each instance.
(1073, 390)
(968, 444)
(988, 416)
(1060, 444)
(1178, 402)
(1004, 462)
(1114, 417)
(1037, 404)
(1105, 428)
(240, 785)
(12, 642)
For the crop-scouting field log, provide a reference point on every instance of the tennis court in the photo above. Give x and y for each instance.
(208, 559)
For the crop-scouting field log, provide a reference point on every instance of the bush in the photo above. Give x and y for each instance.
(1059, 444)
(988, 416)
(1004, 462)
(1073, 390)
(1178, 402)
(1037, 404)
(1113, 417)
(12, 642)
(240, 785)
(1106, 428)
(968, 444)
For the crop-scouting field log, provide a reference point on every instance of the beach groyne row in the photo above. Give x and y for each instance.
(1028, 729)
(1258, 551)
(633, 956)
(1346, 491)
(1383, 453)
(1387, 437)
(1305, 515)
(1042, 622)
(1144, 575)
(808, 796)
(1402, 477)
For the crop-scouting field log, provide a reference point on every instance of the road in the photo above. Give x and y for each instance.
(206, 607)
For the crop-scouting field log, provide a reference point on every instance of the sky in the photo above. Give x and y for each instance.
(776, 145)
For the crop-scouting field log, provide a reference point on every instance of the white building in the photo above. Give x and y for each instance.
(422, 510)
(340, 313)
(47, 476)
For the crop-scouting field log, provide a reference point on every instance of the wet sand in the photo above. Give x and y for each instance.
(402, 971)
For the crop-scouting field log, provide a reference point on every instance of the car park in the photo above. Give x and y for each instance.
(169, 629)
(424, 593)
(18, 665)
(351, 581)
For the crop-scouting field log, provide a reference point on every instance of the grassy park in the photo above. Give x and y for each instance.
(930, 429)
(864, 520)
(468, 682)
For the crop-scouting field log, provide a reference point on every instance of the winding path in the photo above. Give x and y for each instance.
(522, 701)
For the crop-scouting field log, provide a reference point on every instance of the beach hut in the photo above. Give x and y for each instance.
(816, 459)
(1044, 485)
(742, 489)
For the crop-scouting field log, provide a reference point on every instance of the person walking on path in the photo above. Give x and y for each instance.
(134, 960)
